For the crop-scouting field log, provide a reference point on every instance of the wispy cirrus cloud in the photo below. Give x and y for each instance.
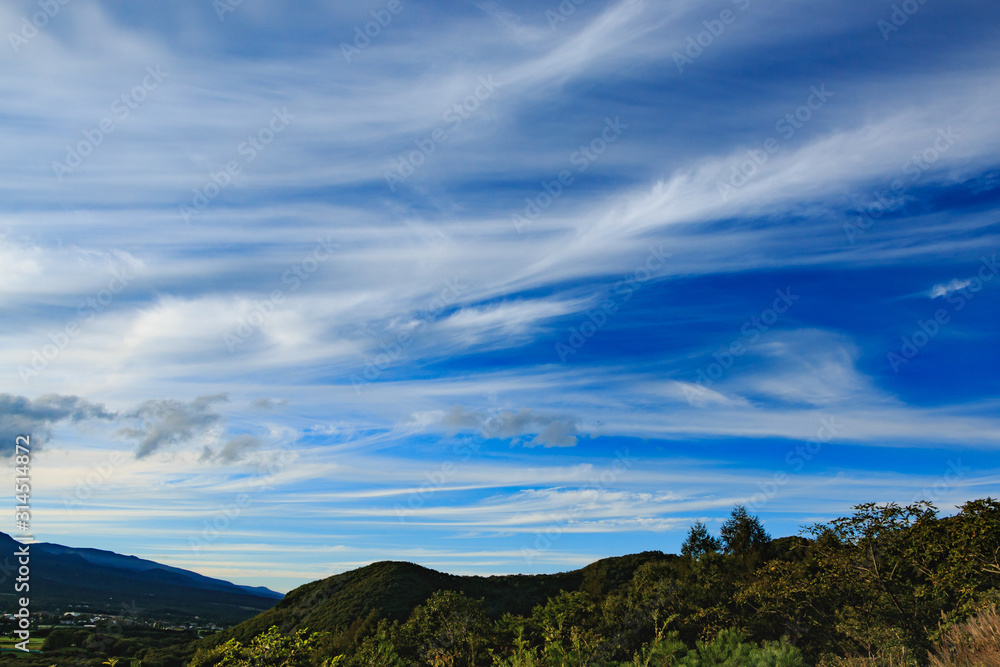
(944, 289)
(460, 379)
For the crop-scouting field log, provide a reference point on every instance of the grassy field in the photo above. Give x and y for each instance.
(7, 643)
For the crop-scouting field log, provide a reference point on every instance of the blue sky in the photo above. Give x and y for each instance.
(498, 286)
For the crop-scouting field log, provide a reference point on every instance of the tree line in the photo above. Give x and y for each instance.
(887, 585)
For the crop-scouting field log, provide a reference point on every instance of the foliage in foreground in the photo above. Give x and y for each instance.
(974, 642)
(729, 649)
(889, 585)
(301, 649)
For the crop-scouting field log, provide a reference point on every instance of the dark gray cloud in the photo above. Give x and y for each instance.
(153, 424)
(268, 404)
(234, 450)
(548, 430)
(461, 420)
(170, 422)
(20, 415)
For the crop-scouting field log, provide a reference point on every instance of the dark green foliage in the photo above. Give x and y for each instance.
(699, 541)
(731, 649)
(791, 548)
(601, 577)
(269, 648)
(743, 535)
(91, 647)
(885, 581)
(380, 649)
(392, 590)
(63, 638)
(449, 629)
(633, 614)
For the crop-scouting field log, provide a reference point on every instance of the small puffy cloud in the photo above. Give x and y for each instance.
(944, 289)
(557, 433)
(235, 450)
(461, 420)
(268, 404)
(170, 422)
(548, 430)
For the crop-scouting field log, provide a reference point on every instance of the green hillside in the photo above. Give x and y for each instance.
(392, 590)
(889, 586)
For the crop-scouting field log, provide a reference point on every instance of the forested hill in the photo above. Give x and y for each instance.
(887, 585)
(392, 590)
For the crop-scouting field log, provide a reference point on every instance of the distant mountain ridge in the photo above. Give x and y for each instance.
(134, 563)
(104, 581)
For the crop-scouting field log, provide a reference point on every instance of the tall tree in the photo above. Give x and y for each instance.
(742, 533)
(699, 541)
